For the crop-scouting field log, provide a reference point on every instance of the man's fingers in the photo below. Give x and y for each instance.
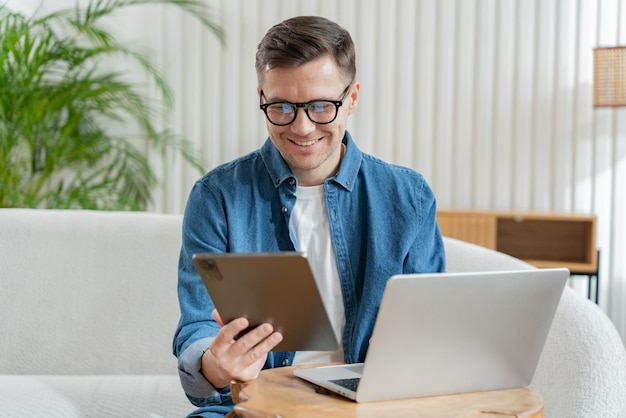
(257, 343)
(227, 333)
(237, 356)
(248, 341)
(241, 359)
(267, 344)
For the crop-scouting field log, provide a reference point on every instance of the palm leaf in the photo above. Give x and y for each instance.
(73, 134)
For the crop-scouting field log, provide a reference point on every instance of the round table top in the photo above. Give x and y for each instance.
(279, 393)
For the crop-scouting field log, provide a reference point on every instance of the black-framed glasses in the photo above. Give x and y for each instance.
(321, 112)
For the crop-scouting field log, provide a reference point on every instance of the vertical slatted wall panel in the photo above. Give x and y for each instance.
(489, 99)
(504, 104)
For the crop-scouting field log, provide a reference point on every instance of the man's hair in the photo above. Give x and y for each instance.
(299, 40)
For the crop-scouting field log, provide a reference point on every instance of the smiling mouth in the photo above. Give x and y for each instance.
(305, 143)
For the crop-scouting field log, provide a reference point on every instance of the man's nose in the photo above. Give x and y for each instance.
(302, 125)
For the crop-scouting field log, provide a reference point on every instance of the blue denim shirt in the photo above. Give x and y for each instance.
(382, 222)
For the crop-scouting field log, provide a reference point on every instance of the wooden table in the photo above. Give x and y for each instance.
(278, 393)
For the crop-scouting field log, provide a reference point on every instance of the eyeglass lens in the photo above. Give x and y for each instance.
(320, 111)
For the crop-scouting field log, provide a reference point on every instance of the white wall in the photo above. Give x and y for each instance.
(490, 99)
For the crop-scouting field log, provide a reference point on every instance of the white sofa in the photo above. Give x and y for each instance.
(88, 309)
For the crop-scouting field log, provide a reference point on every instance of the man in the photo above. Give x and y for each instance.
(308, 188)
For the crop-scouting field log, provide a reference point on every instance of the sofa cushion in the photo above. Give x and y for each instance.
(88, 292)
(105, 396)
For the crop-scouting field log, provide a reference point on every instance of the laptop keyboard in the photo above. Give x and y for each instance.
(351, 383)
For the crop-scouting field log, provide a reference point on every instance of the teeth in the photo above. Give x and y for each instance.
(305, 144)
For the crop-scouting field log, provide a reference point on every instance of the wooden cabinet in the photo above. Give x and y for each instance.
(541, 239)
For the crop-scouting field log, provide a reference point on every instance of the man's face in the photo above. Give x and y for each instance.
(312, 151)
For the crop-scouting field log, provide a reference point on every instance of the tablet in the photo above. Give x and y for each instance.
(273, 287)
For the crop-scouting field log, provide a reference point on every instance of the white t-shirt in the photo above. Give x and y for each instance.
(309, 221)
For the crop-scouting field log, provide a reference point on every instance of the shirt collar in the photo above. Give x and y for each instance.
(279, 171)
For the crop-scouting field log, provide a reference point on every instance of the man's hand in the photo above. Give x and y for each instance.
(228, 359)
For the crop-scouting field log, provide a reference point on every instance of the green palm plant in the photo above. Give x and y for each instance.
(66, 116)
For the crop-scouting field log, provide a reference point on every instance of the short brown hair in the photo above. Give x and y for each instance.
(302, 39)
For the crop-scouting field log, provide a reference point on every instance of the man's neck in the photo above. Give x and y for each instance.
(318, 177)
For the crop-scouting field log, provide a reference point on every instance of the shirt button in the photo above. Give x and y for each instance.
(284, 209)
(286, 362)
(292, 181)
(277, 181)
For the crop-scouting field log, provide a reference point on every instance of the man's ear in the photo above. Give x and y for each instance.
(354, 97)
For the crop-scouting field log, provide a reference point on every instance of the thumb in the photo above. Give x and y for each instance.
(217, 318)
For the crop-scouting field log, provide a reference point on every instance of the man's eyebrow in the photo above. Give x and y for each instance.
(269, 99)
(282, 100)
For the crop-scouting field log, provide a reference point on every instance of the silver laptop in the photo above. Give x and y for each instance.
(448, 333)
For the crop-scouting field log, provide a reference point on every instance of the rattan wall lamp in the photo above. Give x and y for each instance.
(609, 76)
